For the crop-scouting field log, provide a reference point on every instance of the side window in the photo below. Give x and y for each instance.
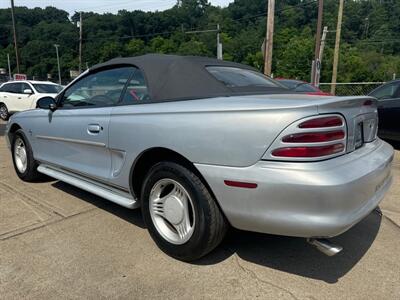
(4, 88)
(100, 89)
(15, 88)
(136, 91)
(397, 92)
(9, 88)
(385, 92)
(25, 86)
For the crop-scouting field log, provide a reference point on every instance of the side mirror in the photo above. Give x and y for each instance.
(28, 91)
(46, 103)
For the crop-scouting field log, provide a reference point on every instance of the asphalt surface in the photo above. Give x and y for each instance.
(2, 129)
(59, 242)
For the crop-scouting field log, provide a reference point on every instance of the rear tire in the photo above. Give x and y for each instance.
(24, 164)
(181, 215)
(4, 114)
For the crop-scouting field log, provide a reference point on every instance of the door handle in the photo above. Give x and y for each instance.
(94, 128)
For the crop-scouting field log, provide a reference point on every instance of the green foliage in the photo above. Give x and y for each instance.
(135, 47)
(370, 36)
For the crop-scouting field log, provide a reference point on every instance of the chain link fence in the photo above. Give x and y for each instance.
(351, 88)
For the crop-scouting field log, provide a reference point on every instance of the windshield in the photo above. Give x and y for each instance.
(47, 88)
(237, 77)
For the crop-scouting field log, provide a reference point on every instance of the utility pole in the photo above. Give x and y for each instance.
(317, 63)
(269, 38)
(323, 39)
(219, 45)
(9, 67)
(80, 42)
(15, 35)
(58, 63)
(337, 47)
(321, 53)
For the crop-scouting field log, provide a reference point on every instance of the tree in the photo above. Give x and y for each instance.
(370, 44)
(135, 47)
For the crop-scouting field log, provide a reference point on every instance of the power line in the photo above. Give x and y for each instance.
(199, 29)
(264, 14)
(114, 5)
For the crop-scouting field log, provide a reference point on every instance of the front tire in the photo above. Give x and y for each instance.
(181, 215)
(4, 114)
(24, 164)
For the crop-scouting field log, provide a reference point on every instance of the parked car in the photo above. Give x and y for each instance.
(388, 96)
(17, 96)
(302, 87)
(200, 144)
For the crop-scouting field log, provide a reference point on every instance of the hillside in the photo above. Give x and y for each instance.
(370, 36)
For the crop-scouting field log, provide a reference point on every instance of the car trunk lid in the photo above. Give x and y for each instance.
(361, 116)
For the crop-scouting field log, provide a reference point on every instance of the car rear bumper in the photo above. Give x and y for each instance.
(313, 199)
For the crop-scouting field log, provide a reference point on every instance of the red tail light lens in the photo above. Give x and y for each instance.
(308, 151)
(314, 137)
(322, 122)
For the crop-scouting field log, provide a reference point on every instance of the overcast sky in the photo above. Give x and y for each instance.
(101, 6)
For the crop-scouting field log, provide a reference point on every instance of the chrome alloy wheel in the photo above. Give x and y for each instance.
(20, 156)
(3, 112)
(172, 211)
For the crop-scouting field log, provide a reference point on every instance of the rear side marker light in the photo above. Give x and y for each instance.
(240, 184)
(314, 137)
(308, 151)
(322, 122)
(368, 103)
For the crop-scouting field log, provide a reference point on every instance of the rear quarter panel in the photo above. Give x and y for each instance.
(220, 131)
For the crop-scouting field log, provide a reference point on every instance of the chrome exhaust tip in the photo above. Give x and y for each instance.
(325, 246)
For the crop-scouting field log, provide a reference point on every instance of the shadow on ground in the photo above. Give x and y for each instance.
(287, 254)
(295, 255)
(132, 216)
(395, 145)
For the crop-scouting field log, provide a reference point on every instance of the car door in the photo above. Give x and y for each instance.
(9, 96)
(4, 93)
(389, 110)
(75, 136)
(24, 100)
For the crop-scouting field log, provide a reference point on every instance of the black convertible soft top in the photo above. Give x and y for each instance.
(173, 77)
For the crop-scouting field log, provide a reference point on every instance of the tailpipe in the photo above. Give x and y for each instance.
(325, 246)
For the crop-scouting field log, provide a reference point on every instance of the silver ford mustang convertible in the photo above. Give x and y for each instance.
(201, 144)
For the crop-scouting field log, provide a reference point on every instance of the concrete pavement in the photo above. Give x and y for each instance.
(59, 242)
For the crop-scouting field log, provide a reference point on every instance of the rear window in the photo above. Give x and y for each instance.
(47, 88)
(237, 77)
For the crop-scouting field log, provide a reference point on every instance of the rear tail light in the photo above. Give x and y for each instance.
(308, 151)
(314, 137)
(333, 121)
(318, 137)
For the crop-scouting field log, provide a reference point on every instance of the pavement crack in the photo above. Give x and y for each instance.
(392, 221)
(258, 279)
(47, 224)
(27, 200)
